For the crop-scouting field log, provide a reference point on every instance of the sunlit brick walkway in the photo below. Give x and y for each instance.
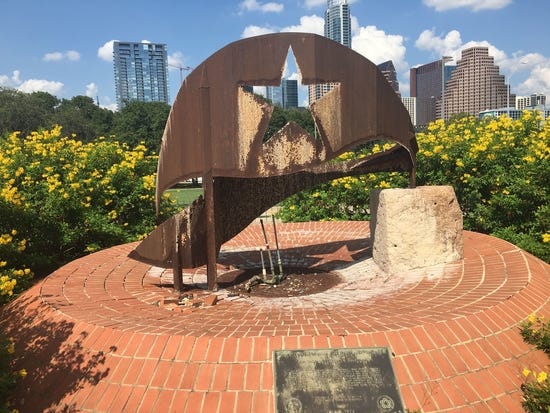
(100, 334)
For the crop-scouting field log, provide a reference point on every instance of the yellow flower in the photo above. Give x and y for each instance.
(546, 237)
(23, 373)
(532, 318)
(526, 372)
(542, 376)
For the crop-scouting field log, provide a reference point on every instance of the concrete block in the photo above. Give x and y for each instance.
(415, 227)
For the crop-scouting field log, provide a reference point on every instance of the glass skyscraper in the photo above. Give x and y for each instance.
(337, 28)
(141, 72)
(338, 22)
(285, 95)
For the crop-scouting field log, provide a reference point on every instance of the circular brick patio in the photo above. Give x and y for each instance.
(103, 333)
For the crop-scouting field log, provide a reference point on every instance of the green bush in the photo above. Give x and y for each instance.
(499, 169)
(536, 389)
(344, 198)
(66, 198)
(8, 377)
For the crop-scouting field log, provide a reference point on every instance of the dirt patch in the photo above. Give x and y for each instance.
(297, 282)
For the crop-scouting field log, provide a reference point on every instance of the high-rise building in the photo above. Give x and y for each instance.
(337, 28)
(536, 99)
(290, 93)
(427, 83)
(388, 70)
(285, 95)
(476, 85)
(141, 72)
(338, 22)
(274, 94)
(410, 104)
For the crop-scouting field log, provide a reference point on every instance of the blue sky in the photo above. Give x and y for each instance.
(65, 47)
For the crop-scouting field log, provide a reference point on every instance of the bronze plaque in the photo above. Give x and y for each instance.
(351, 380)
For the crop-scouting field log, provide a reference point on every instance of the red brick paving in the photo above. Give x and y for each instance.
(95, 335)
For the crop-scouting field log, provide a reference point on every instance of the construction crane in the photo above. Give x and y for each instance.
(181, 69)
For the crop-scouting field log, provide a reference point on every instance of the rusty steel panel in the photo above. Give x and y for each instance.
(364, 107)
(215, 130)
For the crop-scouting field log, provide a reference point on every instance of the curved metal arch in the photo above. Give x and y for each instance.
(215, 130)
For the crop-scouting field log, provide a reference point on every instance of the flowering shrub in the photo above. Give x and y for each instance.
(8, 377)
(66, 198)
(536, 389)
(344, 198)
(12, 280)
(499, 169)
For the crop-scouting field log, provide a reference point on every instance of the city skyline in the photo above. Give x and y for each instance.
(67, 50)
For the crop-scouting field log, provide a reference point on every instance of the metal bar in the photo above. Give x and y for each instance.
(267, 249)
(281, 276)
(208, 183)
(176, 264)
(264, 273)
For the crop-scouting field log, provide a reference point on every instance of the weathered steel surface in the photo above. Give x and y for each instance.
(215, 130)
(362, 108)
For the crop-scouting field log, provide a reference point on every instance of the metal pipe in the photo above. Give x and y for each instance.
(267, 249)
(264, 273)
(281, 277)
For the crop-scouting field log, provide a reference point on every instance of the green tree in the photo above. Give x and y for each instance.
(141, 122)
(280, 117)
(82, 117)
(25, 112)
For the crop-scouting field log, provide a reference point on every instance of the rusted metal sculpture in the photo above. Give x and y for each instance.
(215, 131)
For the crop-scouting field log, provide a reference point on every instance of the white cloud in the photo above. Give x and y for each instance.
(250, 31)
(53, 57)
(451, 45)
(308, 24)
(41, 85)
(440, 46)
(30, 85)
(12, 81)
(175, 60)
(538, 80)
(91, 90)
(379, 47)
(475, 5)
(106, 102)
(113, 107)
(71, 55)
(294, 76)
(310, 4)
(254, 5)
(105, 52)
